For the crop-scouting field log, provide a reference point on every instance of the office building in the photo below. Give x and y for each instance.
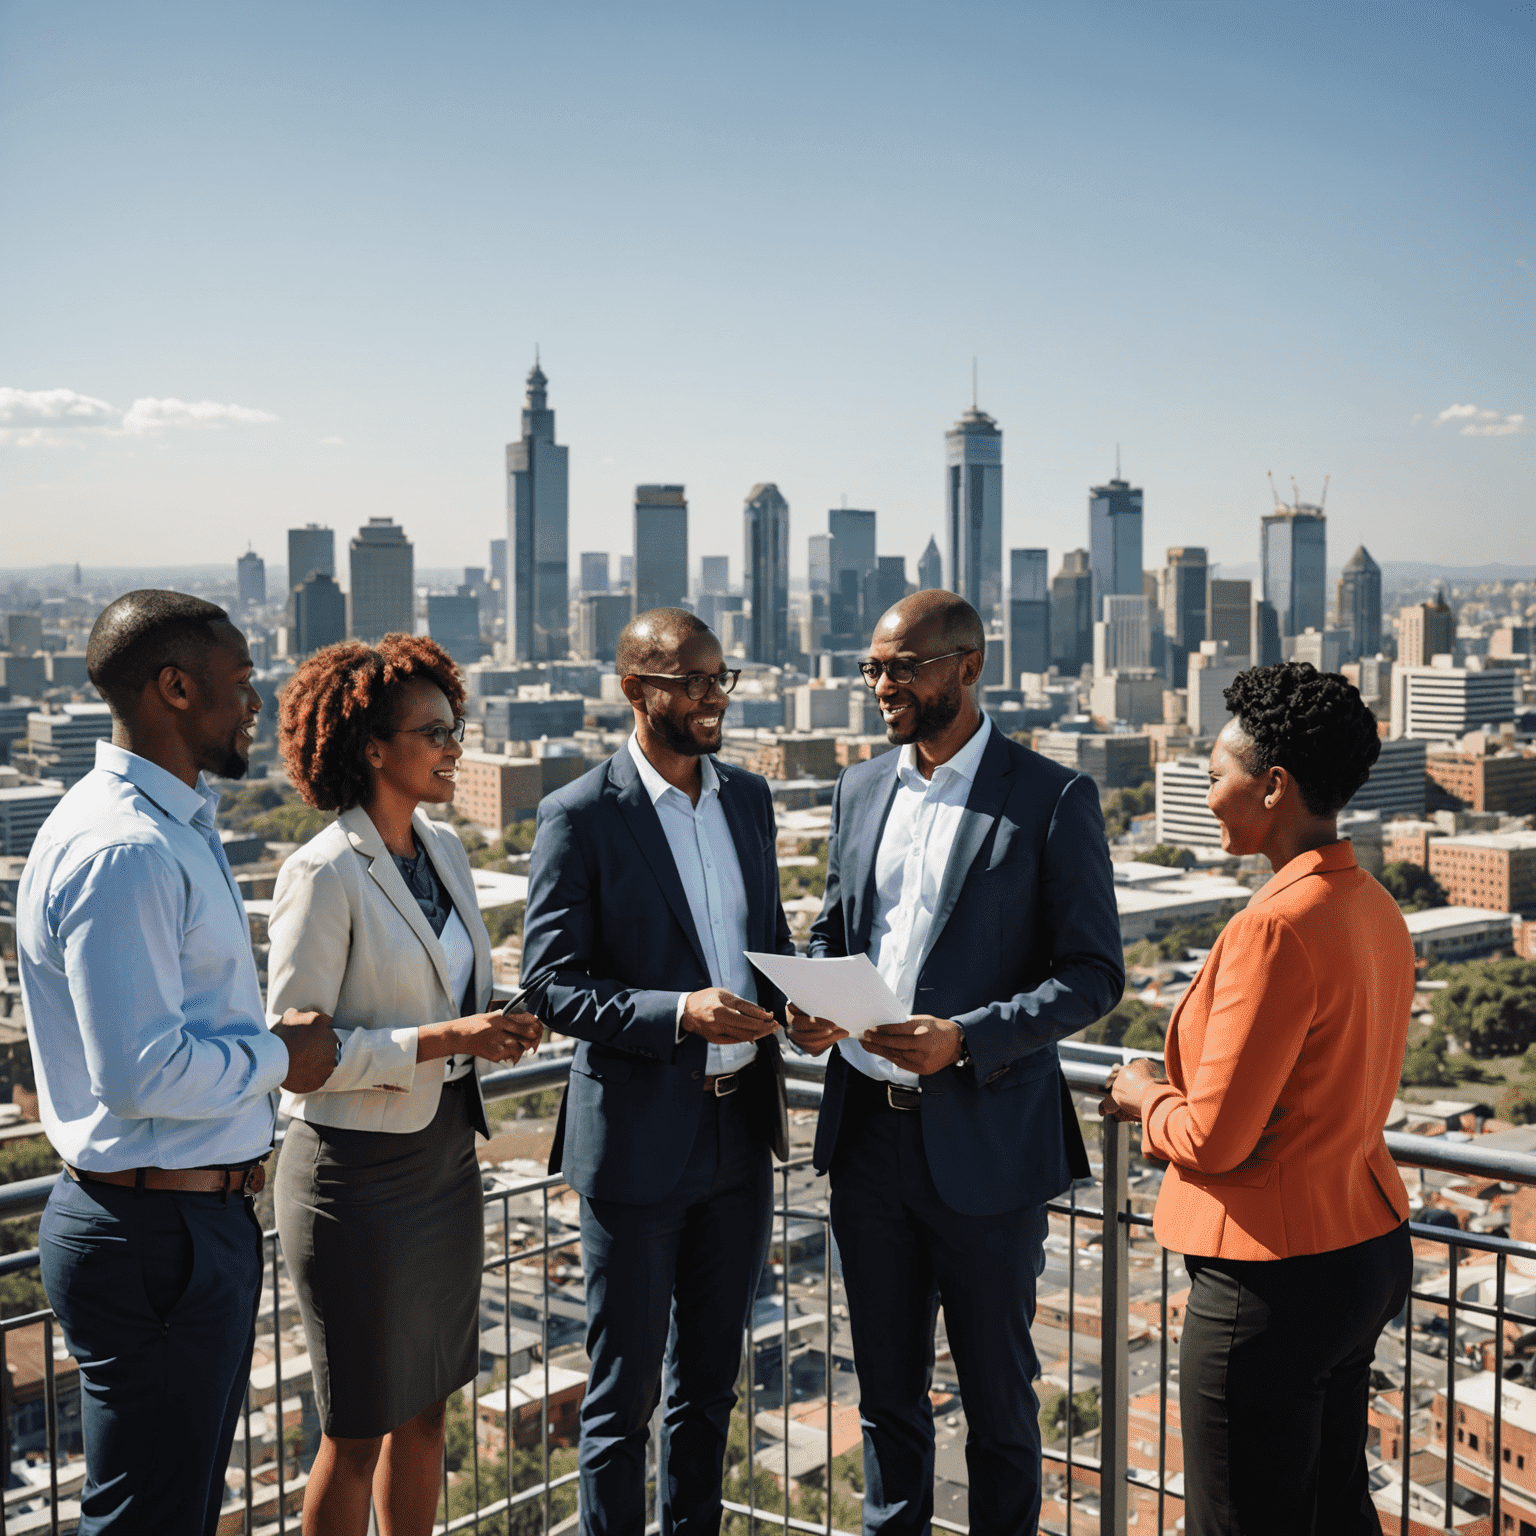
(494, 791)
(886, 588)
(1211, 672)
(67, 669)
(62, 745)
(1114, 541)
(930, 567)
(1293, 558)
(594, 571)
(251, 580)
(1444, 703)
(1072, 613)
(1122, 639)
(498, 566)
(765, 574)
(319, 614)
(715, 573)
(852, 531)
(24, 675)
(1134, 697)
(454, 622)
(1424, 631)
(1358, 607)
(1495, 871)
(1029, 614)
(383, 597)
(1372, 675)
(1183, 592)
(715, 607)
(310, 549)
(973, 450)
(819, 562)
(520, 719)
(23, 633)
(626, 573)
(1511, 639)
(23, 810)
(1265, 647)
(600, 616)
(1112, 762)
(537, 487)
(1184, 820)
(13, 725)
(661, 547)
(1325, 649)
(1503, 782)
(1397, 783)
(1229, 614)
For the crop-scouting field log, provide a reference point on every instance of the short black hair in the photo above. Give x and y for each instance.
(140, 633)
(649, 636)
(1313, 724)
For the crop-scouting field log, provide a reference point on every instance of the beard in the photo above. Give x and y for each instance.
(677, 737)
(226, 760)
(925, 720)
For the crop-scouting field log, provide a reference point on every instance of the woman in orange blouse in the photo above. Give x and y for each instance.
(1282, 1060)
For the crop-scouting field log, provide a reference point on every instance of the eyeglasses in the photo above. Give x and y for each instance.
(902, 671)
(439, 735)
(697, 684)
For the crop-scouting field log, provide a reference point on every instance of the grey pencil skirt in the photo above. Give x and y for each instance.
(384, 1236)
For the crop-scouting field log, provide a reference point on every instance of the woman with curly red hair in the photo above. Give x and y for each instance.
(375, 925)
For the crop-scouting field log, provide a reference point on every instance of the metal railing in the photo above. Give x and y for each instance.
(1097, 1490)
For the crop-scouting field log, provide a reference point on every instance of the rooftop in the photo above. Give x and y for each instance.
(1445, 919)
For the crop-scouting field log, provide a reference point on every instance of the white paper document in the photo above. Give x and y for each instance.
(847, 989)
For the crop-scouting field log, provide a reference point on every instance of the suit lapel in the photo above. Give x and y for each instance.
(748, 854)
(645, 824)
(989, 791)
(858, 854)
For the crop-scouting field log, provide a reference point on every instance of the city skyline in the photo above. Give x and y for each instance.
(208, 367)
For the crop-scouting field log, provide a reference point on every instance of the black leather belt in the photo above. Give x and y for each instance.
(890, 1095)
(723, 1085)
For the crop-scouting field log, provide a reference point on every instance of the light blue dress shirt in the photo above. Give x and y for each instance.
(909, 868)
(149, 1041)
(705, 854)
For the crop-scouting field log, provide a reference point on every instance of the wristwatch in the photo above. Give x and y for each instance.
(964, 1058)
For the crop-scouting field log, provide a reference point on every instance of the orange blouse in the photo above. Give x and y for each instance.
(1283, 1058)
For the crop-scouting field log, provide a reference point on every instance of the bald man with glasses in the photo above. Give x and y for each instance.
(650, 877)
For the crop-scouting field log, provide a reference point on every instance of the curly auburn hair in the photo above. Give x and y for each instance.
(1313, 724)
(345, 694)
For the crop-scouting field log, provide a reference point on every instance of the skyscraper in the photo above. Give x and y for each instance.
(319, 614)
(1184, 596)
(930, 567)
(1264, 647)
(310, 549)
(661, 547)
(1072, 613)
(765, 574)
(1359, 604)
(537, 598)
(383, 597)
(594, 571)
(715, 573)
(886, 587)
(1114, 542)
(251, 577)
(1293, 557)
(973, 450)
(454, 622)
(1229, 615)
(497, 572)
(819, 562)
(1122, 639)
(1425, 631)
(853, 562)
(1029, 614)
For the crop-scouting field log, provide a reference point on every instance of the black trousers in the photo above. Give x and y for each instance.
(1274, 1382)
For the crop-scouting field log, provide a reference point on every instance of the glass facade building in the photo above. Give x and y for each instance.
(661, 547)
(1293, 558)
(765, 574)
(974, 511)
(1114, 542)
(538, 610)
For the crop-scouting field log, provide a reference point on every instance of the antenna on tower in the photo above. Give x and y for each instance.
(1322, 501)
(1272, 491)
(1295, 496)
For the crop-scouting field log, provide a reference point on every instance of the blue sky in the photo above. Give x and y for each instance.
(764, 242)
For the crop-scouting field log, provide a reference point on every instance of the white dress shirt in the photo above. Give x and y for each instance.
(909, 868)
(148, 1038)
(460, 951)
(702, 848)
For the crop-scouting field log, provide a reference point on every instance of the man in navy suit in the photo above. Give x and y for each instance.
(650, 877)
(976, 876)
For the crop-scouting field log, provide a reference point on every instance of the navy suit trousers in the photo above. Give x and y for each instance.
(671, 1284)
(157, 1296)
(903, 1252)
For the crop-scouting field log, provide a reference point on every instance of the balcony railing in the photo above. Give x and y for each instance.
(795, 1453)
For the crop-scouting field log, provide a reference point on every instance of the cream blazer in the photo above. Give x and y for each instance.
(349, 939)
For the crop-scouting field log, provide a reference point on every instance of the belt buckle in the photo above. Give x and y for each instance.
(254, 1179)
(721, 1091)
(892, 1089)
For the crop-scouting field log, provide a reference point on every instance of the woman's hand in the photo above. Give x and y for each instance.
(1127, 1088)
(811, 1034)
(501, 1037)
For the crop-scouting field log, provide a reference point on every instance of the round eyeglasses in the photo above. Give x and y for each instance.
(901, 671)
(439, 735)
(697, 684)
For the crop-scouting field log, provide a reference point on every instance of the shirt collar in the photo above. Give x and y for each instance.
(656, 786)
(964, 764)
(163, 787)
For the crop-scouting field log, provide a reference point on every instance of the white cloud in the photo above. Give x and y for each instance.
(21, 409)
(1482, 422)
(149, 415)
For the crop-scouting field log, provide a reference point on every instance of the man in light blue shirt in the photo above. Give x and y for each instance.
(155, 1068)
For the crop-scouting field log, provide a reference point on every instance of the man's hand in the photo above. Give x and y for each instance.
(311, 1046)
(923, 1044)
(722, 1018)
(811, 1034)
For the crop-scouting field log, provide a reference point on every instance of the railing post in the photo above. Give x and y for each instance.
(1114, 1316)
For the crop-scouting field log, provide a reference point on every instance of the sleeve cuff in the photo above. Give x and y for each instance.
(1159, 1098)
(679, 1031)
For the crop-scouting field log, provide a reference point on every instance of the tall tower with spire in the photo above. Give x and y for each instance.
(537, 576)
(974, 511)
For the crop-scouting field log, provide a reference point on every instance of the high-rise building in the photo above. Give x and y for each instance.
(1114, 541)
(454, 622)
(1211, 672)
(1122, 639)
(930, 567)
(537, 483)
(1264, 647)
(1293, 559)
(251, 578)
(310, 549)
(973, 450)
(661, 547)
(319, 614)
(383, 597)
(1029, 614)
(600, 616)
(626, 573)
(1229, 614)
(852, 563)
(885, 588)
(819, 562)
(497, 571)
(1325, 648)
(594, 571)
(1072, 613)
(1424, 631)
(1183, 593)
(1359, 605)
(715, 573)
(765, 574)
(1444, 703)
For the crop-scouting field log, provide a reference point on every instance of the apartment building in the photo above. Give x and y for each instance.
(1493, 870)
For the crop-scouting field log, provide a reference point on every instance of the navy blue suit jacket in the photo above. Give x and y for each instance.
(1024, 950)
(607, 926)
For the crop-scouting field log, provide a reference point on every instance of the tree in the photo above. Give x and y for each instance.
(1182, 937)
(1412, 887)
(1173, 858)
(1130, 1017)
(1490, 1006)
(1424, 1063)
(1085, 1415)
(1121, 805)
